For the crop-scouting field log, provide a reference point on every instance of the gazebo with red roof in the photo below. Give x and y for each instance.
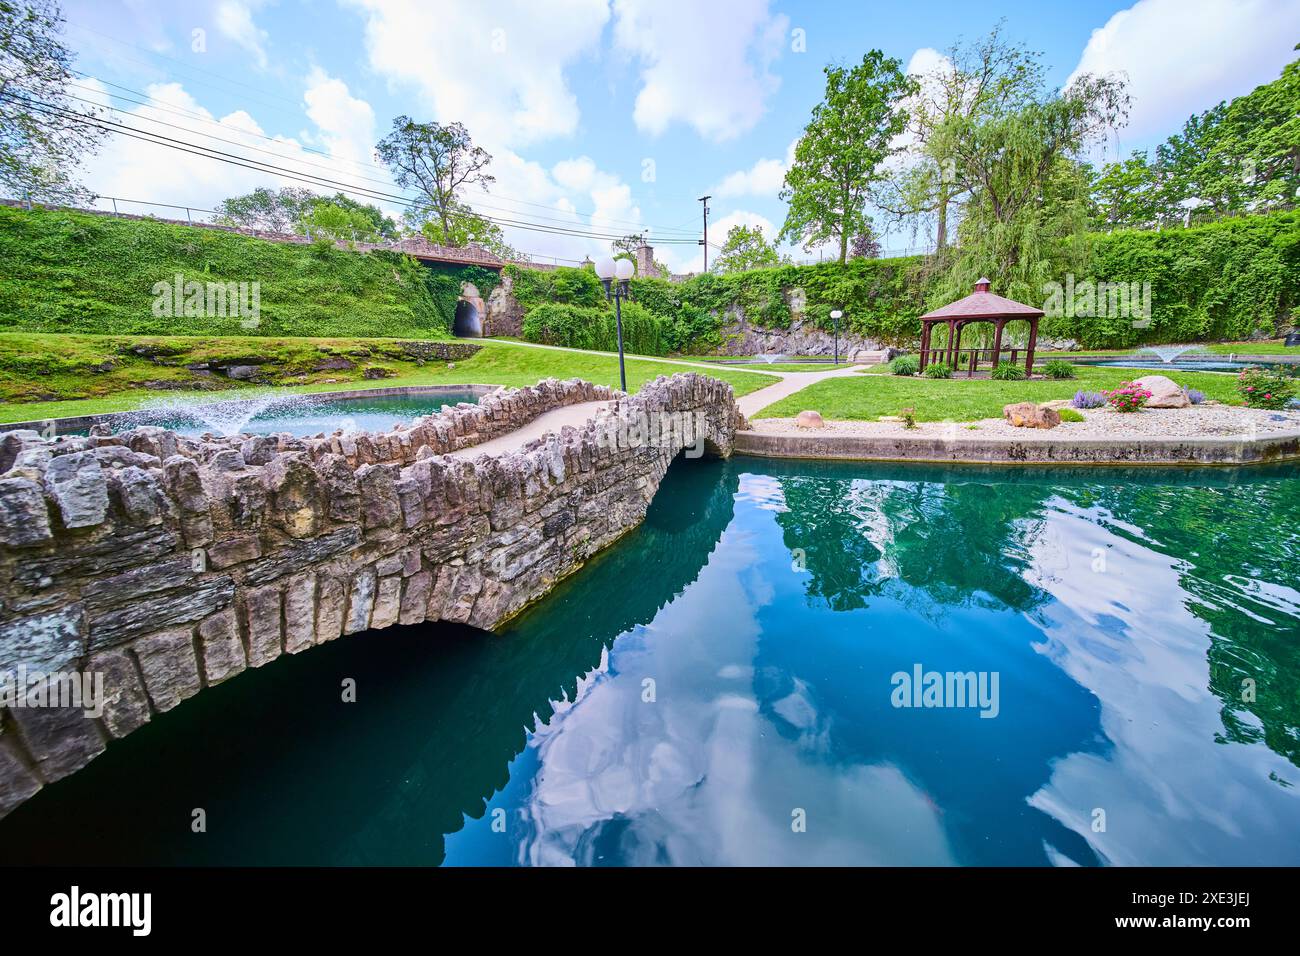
(980, 306)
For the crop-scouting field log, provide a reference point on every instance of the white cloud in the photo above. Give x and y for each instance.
(235, 20)
(704, 64)
(526, 190)
(346, 124)
(764, 179)
(132, 169)
(719, 228)
(686, 258)
(498, 68)
(1184, 56)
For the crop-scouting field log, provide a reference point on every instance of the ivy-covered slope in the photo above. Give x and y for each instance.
(1223, 281)
(74, 272)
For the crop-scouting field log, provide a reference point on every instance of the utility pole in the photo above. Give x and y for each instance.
(705, 241)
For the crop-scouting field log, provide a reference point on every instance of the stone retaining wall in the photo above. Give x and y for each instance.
(169, 564)
(1098, 451)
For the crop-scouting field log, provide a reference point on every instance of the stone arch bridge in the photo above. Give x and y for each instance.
(158, 565)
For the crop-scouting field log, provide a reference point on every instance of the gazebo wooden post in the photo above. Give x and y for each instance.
(925, 343)
(947, 352)
(997, 341)
(1033, 340)
(956, 348)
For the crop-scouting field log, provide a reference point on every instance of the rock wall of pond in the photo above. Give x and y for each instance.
(165, 564)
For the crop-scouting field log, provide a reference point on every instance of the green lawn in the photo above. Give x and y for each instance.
(1251, 348)
(870, 396)
(498, 363)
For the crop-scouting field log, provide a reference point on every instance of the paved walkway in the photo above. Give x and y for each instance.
(552, 421)
(791, 382)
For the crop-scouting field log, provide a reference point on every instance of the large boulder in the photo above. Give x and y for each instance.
(1029, 415)
(1165, 393)
(809, 419)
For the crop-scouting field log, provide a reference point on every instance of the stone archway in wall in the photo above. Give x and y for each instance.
(470, 313)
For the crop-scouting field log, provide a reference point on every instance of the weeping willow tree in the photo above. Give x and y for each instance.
(972, 81)
(1028, 198)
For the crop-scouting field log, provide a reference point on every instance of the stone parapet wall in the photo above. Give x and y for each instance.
(166, 564)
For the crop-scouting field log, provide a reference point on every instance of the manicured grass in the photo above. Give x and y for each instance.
(871, 396)
(60, 361)
(1251, 348)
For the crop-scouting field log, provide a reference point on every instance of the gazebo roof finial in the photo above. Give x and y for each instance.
(982, 285)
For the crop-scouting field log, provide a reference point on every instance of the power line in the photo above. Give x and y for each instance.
(246, 162)
(216, 212)
(189, 113)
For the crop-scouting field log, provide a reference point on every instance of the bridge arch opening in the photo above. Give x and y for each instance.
(468, 323)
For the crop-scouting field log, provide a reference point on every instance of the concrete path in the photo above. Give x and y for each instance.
(552, 421)
(791, 382)
(579, 415)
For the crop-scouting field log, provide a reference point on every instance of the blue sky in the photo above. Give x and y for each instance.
(602, 117)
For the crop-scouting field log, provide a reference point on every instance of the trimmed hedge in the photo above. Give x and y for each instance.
(583, 328)
(1218, 282)
(1223, 281)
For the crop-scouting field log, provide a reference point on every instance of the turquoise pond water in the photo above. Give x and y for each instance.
(727, 672)
(296, 414)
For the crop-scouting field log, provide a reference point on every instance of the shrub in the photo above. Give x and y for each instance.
(1194, 395)
(585, 328)
(938, 370)
(1088, 400)
(904, 365)
(1070, 415)
(1265, 387)
(908, 415)
(1129, 397)
(1007, 372)
(1059, 368)
(565, 286)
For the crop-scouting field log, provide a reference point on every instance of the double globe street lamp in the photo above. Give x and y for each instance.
(608, 270)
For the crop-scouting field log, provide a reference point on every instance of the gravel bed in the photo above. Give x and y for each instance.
(1197, 421)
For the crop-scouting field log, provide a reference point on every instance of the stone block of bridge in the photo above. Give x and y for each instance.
(169, 564)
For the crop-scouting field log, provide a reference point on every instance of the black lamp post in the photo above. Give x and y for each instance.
(614, 275)
(836, 315)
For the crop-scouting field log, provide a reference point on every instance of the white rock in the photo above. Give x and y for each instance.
(809, 419)
(1165, 392)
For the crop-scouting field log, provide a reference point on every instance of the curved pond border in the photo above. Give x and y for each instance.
(1276, 446)
(76, 423)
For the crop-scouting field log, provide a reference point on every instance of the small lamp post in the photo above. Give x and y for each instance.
(836, 315)
(608, 270)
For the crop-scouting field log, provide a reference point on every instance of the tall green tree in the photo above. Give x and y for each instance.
(294, 210)
(842, 152)
(41, 146)
(1029, 187)
(976, 80)
(275, 210)
(747, 248)
(1129, 195)
(342, 217)
(1239, 156)
(441, 163)
(467, 228)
